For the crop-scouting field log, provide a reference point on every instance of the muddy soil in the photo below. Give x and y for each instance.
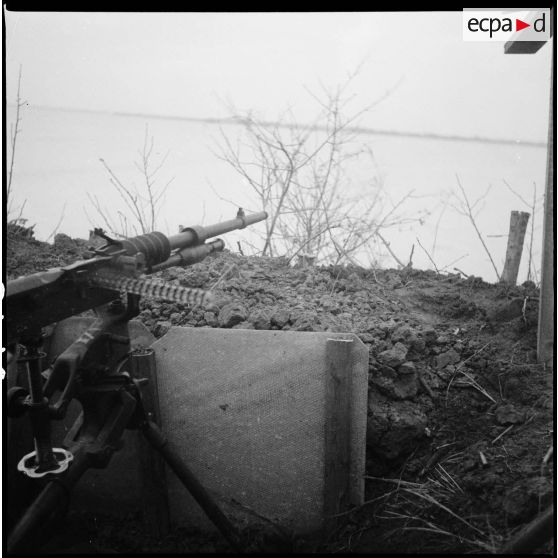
(460, 413)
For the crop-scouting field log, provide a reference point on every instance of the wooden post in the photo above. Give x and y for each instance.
(545, 334)
(545, 345)
(152, 466)
(516, 236)
(533, 535)
(337, 430)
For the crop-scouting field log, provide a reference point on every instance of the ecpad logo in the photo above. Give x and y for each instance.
(501, 25)
(494, 24)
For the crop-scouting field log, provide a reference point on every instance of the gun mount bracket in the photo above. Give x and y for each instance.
(15, 400)
(102, 234)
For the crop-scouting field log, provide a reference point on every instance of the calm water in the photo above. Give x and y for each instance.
(57, 164)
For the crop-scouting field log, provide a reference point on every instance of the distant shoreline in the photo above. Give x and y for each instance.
(357, 129)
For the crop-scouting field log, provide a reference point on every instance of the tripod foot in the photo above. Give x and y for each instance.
(29, 466)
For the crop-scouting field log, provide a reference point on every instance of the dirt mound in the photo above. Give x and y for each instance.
(25, 254)
(460, 413)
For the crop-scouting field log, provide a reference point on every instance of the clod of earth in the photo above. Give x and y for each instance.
(509, 414)
(395, 356)
(260, 319)
(449, 357)
(394, 427)
(506, 311)
(232, 314)
(526, 498)
(395, 384)
(280, 318)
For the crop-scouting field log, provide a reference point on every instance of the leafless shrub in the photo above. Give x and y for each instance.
(141, 204)
(300, 175)
(14, 133)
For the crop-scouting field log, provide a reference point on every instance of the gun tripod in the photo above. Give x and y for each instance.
(93, 370)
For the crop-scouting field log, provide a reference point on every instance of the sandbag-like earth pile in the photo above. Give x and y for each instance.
(460, 418)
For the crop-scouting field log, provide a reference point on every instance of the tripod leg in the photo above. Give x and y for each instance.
(158, 440)
(54, 497)
(51, 498)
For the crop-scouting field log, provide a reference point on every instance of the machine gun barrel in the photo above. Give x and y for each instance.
(192, 236)
(191, 255)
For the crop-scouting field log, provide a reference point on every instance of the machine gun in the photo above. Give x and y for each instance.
(95, 368)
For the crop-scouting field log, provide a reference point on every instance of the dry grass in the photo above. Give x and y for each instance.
(426, 507)
(473, 382)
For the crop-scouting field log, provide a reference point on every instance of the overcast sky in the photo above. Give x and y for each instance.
(191, 64)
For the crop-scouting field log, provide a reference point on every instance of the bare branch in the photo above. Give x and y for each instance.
(529, 265)
(14, 132)
(143, 203)
(468, 213)
(429, 257)
(388, 248)
(515, 193)
(454, 261)
(55, 230)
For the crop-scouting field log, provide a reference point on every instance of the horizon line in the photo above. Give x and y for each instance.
(240, 120)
